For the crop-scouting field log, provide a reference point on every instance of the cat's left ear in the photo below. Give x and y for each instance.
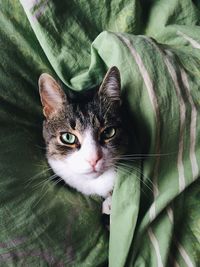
(111, 85)
(52, 96)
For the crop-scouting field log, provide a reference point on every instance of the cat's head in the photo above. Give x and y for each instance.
(84, 135)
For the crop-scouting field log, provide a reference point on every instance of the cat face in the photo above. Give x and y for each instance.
(84, 136)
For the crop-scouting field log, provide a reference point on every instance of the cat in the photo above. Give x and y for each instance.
(84, 133)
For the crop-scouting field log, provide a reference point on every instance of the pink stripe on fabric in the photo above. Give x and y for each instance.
(193, 126)
(155, 244)
(182, 111)
(184, 254)
(193, 42)
(153, 98)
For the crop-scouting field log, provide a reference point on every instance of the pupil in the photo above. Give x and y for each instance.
(68, 138)
(109, 132)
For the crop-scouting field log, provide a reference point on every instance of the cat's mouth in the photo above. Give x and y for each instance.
(93, 173)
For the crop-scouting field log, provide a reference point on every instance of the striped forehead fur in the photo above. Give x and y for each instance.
(89, 114)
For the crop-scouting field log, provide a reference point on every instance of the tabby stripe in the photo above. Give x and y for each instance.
(154, 102)
(182, 111)
(193, 126)
(193, 42)
(154, 241)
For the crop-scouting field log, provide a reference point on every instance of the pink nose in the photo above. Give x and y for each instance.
(93, 161)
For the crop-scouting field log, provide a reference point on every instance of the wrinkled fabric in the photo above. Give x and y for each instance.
(155, 219)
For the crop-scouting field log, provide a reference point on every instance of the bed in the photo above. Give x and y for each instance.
(155, 219)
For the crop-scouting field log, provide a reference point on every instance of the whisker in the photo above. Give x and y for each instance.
(45, 180)
(139, 179)
(38, 174)
(31, 179)
(139, 171)
(141, 174)
(42, 197)
(149, 154)
(127, 159)
(58, 181)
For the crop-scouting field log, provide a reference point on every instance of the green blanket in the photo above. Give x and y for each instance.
(155, 218)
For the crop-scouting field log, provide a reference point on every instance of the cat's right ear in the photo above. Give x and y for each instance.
(110, 87)
(52, 96)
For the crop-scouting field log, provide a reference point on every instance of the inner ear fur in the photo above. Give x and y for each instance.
(52, 96)
(111, 85)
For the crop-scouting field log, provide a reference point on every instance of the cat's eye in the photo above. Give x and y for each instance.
(108, 133)
(68, 138)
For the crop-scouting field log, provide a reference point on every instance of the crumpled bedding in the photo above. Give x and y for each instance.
(155, 219)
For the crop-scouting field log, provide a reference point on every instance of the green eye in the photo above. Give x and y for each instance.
(68, 138)
(108, 133)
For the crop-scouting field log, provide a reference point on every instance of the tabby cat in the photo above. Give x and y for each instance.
(84, 133)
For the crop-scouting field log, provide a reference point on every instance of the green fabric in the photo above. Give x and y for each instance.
(155, 218)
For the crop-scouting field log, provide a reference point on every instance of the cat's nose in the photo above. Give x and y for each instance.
(93, 161)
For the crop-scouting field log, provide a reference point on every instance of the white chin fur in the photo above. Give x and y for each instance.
(88, 184)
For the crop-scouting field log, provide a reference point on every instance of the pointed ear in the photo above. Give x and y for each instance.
(52, 96)
(111, 85)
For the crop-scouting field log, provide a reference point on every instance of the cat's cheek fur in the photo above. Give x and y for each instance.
(86, 184)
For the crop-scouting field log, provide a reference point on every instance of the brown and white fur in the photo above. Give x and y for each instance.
(94, 121)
